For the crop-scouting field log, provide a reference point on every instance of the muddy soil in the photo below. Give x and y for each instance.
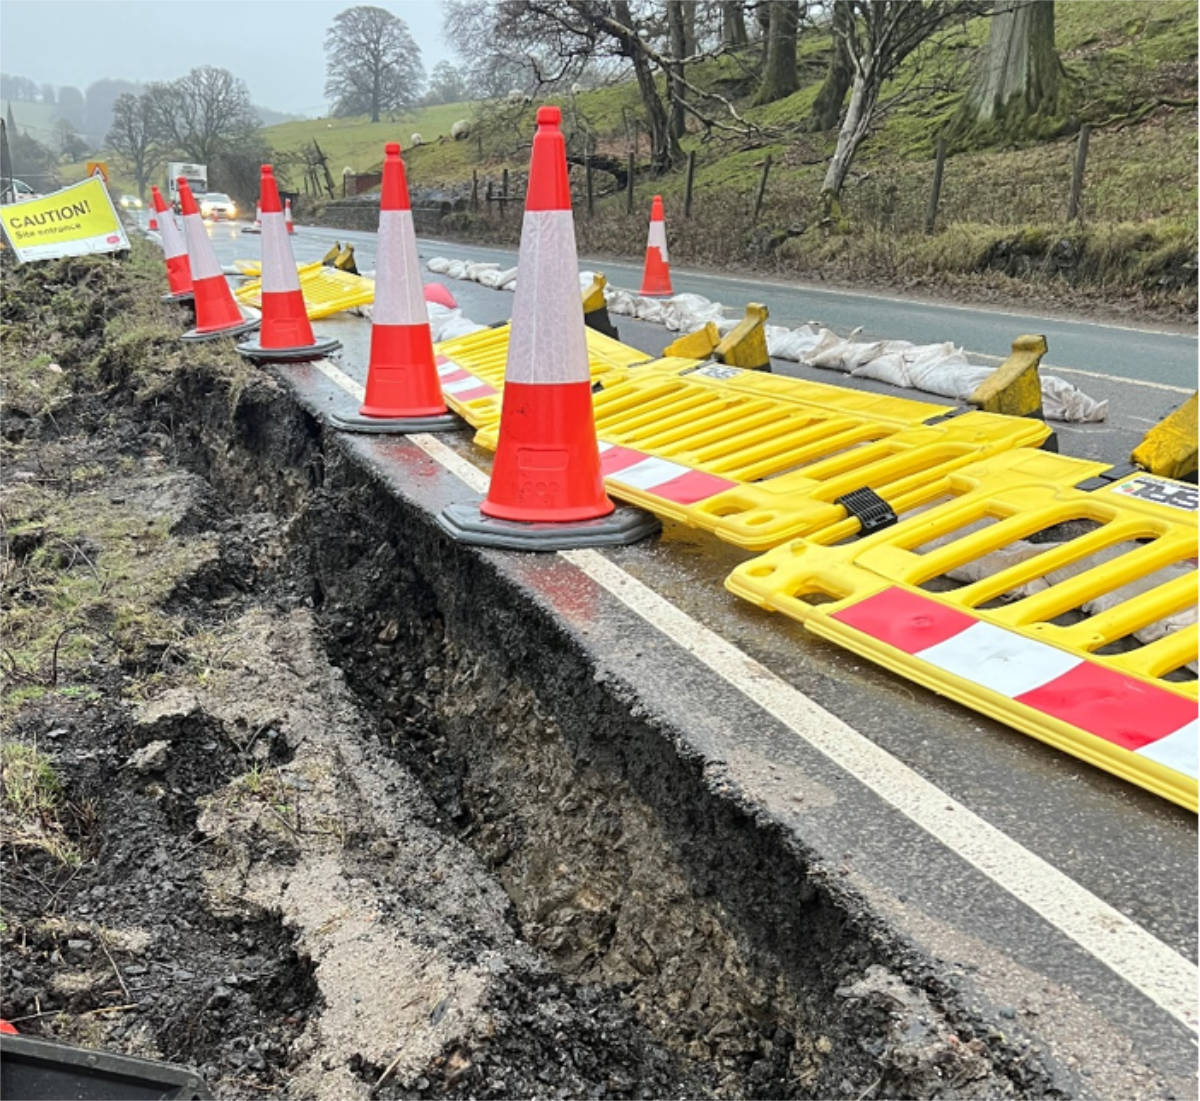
(322, 830)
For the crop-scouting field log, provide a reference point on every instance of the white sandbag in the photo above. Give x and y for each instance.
(438, 264)
(446, 323)
(1063, 402)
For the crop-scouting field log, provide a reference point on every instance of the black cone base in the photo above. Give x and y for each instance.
(194, 336)
(181, 296)
(443, 422)
(467, 524)
(253, 349)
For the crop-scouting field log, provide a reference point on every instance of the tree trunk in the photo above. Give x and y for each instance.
(664, 146)
(854, 128)
(827, 107)
(733, 24)
(1018, 72)
(679, 49)
(779, 69)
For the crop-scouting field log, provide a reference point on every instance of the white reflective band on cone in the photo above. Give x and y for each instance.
(278, 264)
(201, 255)
(399, 294)
(547, 343)
(658, 237)
(172, 240)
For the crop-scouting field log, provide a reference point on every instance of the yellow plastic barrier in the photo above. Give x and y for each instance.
(758, 459)
(1169, 447)
(326, 291)
(472, 370)
(1053, 594)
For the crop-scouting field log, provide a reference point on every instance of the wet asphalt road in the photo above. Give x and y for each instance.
(1126, 848)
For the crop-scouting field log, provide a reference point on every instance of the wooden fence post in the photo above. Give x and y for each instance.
(475, 190)
(1085, 132)
(935, 195)
(762, 189)
(629, 188)
(504, 194)
(691, 175)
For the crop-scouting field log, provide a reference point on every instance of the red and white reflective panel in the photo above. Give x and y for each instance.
(658, 237)
(279, 273)
(201, 255)
(459, 383)
(671, 481)
(1124, 711)
(547, 343)
(399, 293)
(172, 240)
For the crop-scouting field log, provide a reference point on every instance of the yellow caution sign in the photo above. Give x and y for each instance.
(326, 290)
(73, 221)
(1053, 594)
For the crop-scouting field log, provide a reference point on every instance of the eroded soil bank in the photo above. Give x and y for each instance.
(298, 794)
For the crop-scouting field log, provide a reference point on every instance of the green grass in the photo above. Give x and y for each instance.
(33, 804)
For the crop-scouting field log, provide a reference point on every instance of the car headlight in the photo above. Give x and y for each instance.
(205, 209)
(137, 203)
(232, 209)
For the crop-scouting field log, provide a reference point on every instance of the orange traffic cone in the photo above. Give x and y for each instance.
(656, 275)
(546, 491)
(217, 314)
(403, 391)
(287, 216)
(153, 223)
(285, 332)
(179, 272)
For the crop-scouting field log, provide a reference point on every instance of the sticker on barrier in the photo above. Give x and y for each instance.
(326, 291)
(1067, 613)
(758, 459)
(481, 356)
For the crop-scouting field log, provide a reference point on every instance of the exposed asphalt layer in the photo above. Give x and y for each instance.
(1126, 848)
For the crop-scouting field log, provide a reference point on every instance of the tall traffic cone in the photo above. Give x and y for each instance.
(285, 332)
(656, 275)
(287, 217)
(257, 226)
(403, 391)
(546, 491)
(179, 272)
(217, 314)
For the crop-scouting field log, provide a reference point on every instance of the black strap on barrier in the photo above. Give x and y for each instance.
(957, 411)
(871, 511)
(1107, 477)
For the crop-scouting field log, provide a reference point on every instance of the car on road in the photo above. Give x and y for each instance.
(19, 191)
(217, 205)
(130, 202)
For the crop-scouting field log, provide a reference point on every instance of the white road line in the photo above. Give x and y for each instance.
(1136, 955)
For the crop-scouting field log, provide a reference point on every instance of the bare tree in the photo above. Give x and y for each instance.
(878, 37)
(70, 143)
(372, 63)
(132, 136)
(1018, 72)
(554, 41)
(202, 114)
(779, 78)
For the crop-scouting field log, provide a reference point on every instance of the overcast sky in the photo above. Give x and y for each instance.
(275, 46)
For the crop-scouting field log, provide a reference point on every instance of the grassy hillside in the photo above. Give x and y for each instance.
(1001, 225)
